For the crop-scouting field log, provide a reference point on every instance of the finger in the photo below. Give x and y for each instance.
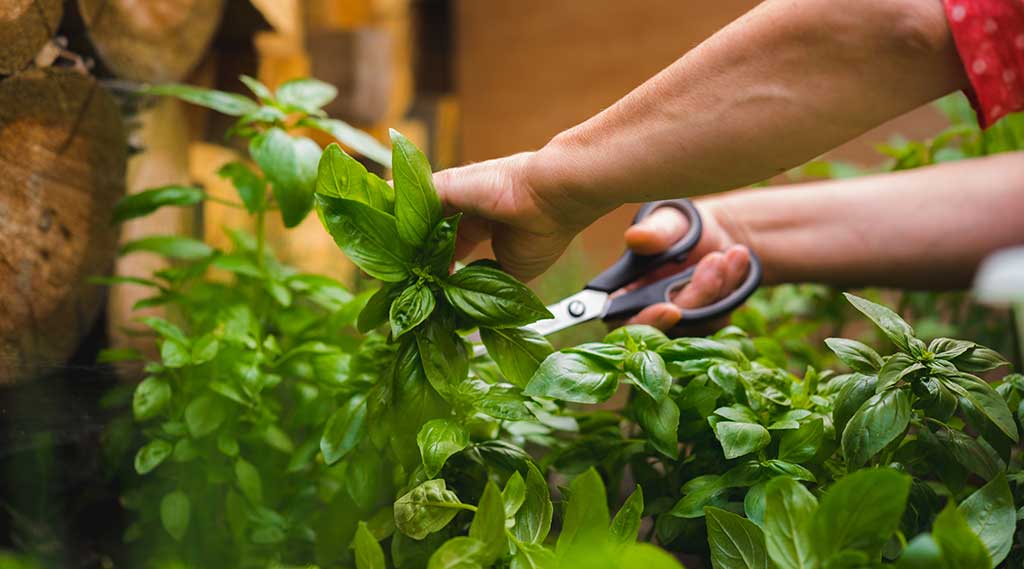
(657, 232)
(706, 285)
(662, 316)
(472, 232)
(737, 264)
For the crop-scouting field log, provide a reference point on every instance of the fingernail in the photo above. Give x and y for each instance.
(668, 317)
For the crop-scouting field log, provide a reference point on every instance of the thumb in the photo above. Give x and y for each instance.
(657, 232)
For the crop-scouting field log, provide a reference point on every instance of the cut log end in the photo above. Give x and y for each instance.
(25, 27)
(63, 150)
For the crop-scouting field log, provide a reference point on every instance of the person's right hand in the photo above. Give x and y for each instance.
(722, 263)
(528, 222)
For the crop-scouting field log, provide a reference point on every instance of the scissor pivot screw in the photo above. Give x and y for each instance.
(577, 309)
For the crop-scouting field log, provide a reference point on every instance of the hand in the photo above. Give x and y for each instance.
(722, 263)
(528, 222)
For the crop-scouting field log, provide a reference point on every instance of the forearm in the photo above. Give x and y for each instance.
(921, 229)
(788, 81)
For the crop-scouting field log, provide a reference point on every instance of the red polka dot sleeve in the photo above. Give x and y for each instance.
(989, 35)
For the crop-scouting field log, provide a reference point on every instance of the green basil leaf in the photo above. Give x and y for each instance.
(415, 400)
(979, 359)
(492, 298)
(439, 249)
(204, 414)
(948, 348)
(369, 554)
(307, 95)
(960, 546)
(789, 507)
(802, 444)
(368, 237)
(517, 351)
(362, 142)
(342, 176)
(365, 479)
(647, 371)
(775, 466)
(971, 453)
(151, 455)
(611, 356)
(878, 422)
(344, 430)
(444, 355)
(257, 87)
(225, 103)
(647, 556)
(991, 515)
(249, 185)
(249, 481)
(489, 524)
(411, 308)
(514, 494)
(860, 357)
(703, 490)
(737, 412)
(660, 420)
(686, 349)
(644, 336)
(151, 396)
(626, 524)
(573, 377)
(985, 399)
(417, 206)
(426, 509)
(894, 369)
(174, 514)
(438, 440)
(504, 401)
(171, 246)
(534, 556)
(290, 164)
(754, 503)
(459, 553)
(586, 517)
(739, 439)
(377, 309)
(861, 511)
(921, 553)
(144, 203)
(533, 520)
(888, 321)
(852, 397)
(736, 542)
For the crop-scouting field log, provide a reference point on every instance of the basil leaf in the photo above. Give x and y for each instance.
(504, 401)
(736, 542)
(514, 494)
(517, 351)
(861, 511)
(415, 401)
(647, 371)
(783, 468)
(175, 510)
(860, 357)
(459, 553)
(703, 490)
(739, 439)
(586, 517)
(411, 308)
(985, 399)
(644, 336)
(225, 103)
(417, 206)
(426, 509)
(438, 440)
(204, 414)
(492, 298)
(290, 164)
(369, 554)
(979, 359)
(368, 237)
(533, 520)
(151, 455)
(612, 356)
(378, 307)
(789, 508)
(171, 246)
(533, 556)
(257, 87)
(344, 430)
(626, 524)
(687, 349)
(249, 185)
(151, 396)
(307, 95)
(971, 453)
(489, 524)
(444, 355)
(249, 481)
(878, 422)
(342, 176)
(439, 249)
(888, 321)
(660, 420)
(573, 377)
(894, 369)
(144, 203)
(802, 444)
(850, 398)
(991, 515)
(921, 553)
(960, 546)
(948, 348)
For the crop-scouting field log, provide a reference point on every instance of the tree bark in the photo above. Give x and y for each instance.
(25, 26)
(150, 40)
(63, 153)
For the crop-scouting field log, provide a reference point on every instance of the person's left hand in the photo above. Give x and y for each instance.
(722, 264)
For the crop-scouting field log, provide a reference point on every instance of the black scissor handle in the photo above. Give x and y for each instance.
(631, 266)
(627, 305)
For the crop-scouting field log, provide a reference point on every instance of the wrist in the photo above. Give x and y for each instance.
(724, 215)
(555, 177)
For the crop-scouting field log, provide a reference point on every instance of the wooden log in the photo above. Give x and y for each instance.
(63, 149)
(155, 40)
(25, 27)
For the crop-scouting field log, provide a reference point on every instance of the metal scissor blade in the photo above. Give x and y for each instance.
(581, 307)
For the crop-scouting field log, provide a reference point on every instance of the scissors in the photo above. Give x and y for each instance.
(595, 300)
